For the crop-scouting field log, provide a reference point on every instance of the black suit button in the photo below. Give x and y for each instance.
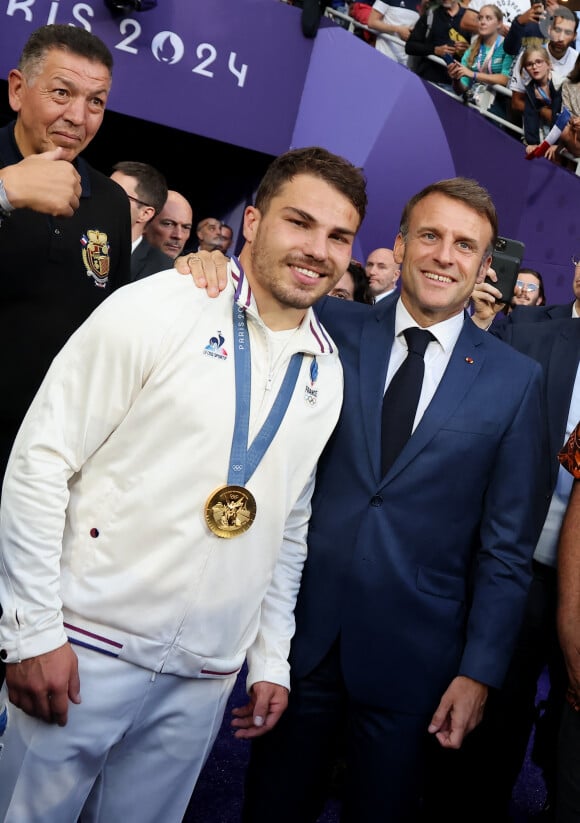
(376, 500)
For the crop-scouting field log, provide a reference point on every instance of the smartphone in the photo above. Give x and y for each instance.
(506, 262)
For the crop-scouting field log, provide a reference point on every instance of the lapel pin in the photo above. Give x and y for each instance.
(469, 360)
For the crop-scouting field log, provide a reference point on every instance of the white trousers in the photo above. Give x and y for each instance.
(131, 752)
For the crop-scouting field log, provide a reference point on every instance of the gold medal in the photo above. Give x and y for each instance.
(230, 511)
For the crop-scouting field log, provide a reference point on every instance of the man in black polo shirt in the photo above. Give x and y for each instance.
(445, 31)
(65, 232)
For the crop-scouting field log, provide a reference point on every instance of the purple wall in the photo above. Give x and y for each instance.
(174, 65)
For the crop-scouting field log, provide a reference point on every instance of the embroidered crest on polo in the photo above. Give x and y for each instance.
(96, 256)
(215, 347)
(310, 393)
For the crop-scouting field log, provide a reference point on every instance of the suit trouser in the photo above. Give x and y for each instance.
(290, 767)
(130, 752)
(487, 766)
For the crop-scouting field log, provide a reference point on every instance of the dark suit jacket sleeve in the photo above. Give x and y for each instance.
(508, 534)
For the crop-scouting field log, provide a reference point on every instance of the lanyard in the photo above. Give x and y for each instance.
(243, 461)
(543, 94)
(483, 62)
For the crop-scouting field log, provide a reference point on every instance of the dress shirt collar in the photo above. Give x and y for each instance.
(445, 333)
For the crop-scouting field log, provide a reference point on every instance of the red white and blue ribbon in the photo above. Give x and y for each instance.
(553, 135)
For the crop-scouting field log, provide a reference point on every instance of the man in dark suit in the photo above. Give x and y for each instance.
(416, 579)
(484, 770)
(531, 314)
(146, 189)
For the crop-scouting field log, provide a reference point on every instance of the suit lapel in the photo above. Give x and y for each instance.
(375, 350)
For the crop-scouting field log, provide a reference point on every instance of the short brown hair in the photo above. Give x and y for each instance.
(334, 170)
(151, 185)
(465, 190)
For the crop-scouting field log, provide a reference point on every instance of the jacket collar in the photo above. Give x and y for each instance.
(312, 337)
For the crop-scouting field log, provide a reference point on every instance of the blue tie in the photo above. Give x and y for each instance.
(402, 397)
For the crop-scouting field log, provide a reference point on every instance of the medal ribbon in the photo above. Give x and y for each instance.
(243, 461)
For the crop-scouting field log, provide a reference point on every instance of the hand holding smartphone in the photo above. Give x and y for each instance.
(506, 262)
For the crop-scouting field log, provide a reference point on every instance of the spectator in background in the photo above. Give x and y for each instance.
(444, 31)
(170, 229)
(537, 313)
(561, 36)
(525, 27)
(353, 285)
(361, 12)
(570, 137)
(208, 233)
(529, 289)
(146, 189)
(509, 8)
(382, 272)
(226, 239)
(397, 19)
(484, 64)
(542, 95)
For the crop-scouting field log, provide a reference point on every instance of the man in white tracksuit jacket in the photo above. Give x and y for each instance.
(112, 554)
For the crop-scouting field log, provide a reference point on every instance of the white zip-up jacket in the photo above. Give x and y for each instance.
(102, 528)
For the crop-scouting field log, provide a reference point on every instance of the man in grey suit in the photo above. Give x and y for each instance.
(146, 189)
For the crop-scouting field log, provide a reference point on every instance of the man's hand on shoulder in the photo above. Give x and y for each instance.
(268, 701)
(208, 269)
(44, 183)
(42, 686)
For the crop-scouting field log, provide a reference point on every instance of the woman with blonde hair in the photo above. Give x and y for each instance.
(484, 64)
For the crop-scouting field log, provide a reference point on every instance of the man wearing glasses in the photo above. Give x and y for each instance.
(529, 289)
(146, 189)
(539, 311)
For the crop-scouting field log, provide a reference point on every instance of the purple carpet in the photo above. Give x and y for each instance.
(218, 795)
